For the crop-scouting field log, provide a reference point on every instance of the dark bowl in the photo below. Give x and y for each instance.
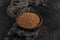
(30, 11)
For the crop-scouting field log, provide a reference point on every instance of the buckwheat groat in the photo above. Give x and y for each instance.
(28, 20)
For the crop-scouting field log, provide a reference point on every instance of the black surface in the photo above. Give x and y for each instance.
(5, 20)
(53, 18)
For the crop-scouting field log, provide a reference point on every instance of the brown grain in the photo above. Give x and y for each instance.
(28, 20)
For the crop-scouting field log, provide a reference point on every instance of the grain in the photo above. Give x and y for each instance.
(28, 20)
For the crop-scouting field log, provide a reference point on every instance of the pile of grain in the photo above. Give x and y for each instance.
(28, 20)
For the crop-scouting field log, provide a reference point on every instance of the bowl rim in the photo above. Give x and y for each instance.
(40, 23)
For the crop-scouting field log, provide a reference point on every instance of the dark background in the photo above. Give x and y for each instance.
(53, 17)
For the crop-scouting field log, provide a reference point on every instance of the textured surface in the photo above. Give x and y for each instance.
(28, 20)
(53, 17)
